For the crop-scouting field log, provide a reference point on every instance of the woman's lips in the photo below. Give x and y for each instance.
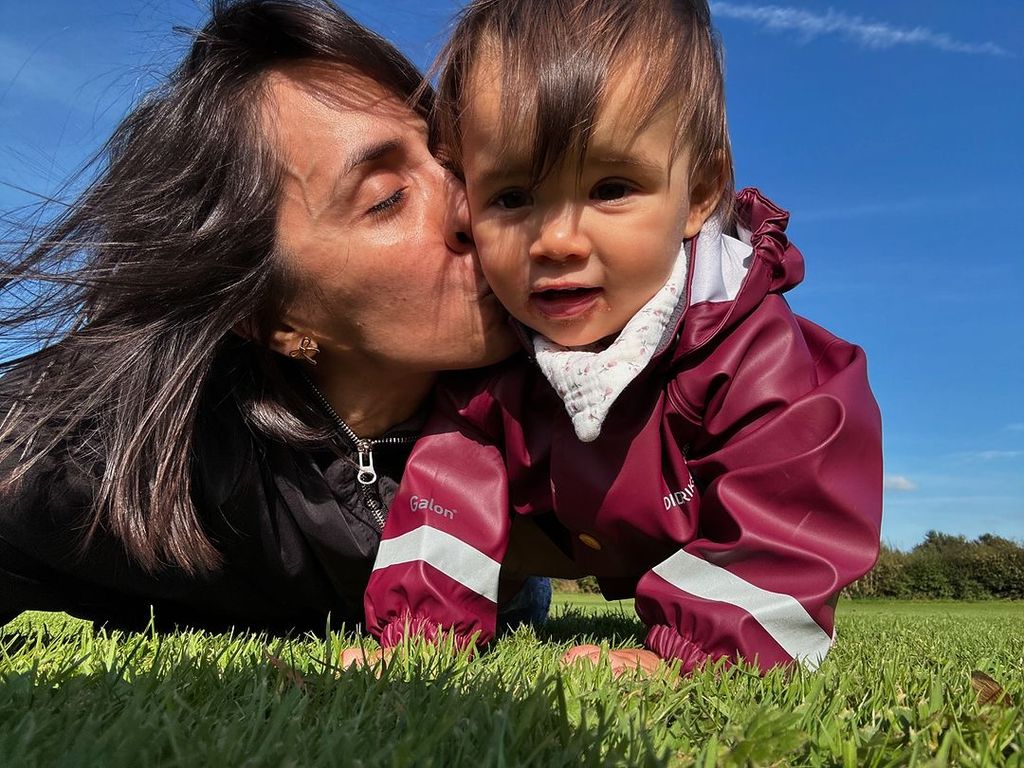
(565, 303)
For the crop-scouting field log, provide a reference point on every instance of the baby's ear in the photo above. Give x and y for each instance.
(706, 190)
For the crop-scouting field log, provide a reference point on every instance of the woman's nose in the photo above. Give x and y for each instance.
(458, 233)
(561, 238)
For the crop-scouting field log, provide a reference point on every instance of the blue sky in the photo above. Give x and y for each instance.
(891, 131)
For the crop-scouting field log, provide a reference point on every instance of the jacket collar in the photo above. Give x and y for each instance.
(723, 280)
(775, 266)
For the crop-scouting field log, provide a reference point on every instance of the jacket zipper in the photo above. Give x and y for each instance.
(366, 474)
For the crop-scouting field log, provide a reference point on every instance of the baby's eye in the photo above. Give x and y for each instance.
(512, 199)
(613, 189)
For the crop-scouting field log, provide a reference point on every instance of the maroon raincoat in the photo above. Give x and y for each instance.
(735, 489)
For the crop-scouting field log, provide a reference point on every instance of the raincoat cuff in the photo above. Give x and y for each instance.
(670, 645)
(411, 627)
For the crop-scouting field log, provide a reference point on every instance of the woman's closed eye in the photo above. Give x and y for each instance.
(388, 205)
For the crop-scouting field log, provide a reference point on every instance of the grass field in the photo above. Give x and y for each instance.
(895, 691)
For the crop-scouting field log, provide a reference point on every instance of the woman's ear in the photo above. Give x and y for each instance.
(705, 194)
(283, 338)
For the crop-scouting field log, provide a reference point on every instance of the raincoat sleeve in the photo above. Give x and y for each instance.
(783, 440)
(440, 555)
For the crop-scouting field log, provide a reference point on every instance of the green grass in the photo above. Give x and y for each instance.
(895, 691)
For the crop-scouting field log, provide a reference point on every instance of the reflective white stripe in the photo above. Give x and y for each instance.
(451, 556)
(781, 615)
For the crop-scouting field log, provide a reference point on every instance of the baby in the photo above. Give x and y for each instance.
(676, 431)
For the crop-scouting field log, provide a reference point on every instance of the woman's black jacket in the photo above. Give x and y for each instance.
(297, 539)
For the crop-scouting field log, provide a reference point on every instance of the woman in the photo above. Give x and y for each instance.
(248, 308)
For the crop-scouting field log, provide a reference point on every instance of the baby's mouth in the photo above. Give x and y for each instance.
(565, 303)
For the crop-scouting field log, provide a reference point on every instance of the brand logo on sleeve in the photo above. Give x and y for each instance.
(679, 498)
(417, 504)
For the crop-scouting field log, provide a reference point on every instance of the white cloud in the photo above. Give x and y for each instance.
(1017, 426)
(870, 34)
(899, 483)
(994, 455)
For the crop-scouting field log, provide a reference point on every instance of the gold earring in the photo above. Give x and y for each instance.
(308, 350)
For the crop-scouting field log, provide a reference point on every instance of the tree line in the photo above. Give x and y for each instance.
(945, 567)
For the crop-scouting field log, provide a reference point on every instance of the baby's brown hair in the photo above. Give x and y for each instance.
(556, 58)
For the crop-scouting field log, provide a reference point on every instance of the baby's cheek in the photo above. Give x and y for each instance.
(502, 256)
(510, 294)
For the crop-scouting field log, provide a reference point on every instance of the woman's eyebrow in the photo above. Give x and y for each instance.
(371, 153)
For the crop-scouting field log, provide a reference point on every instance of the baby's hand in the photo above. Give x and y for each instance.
(359, 657)
(622, 660)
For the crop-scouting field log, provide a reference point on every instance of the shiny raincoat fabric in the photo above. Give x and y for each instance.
(735, 488)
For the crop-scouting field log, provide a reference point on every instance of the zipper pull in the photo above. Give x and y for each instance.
(367, 475)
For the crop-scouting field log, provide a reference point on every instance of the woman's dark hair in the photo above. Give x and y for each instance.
(130, 296)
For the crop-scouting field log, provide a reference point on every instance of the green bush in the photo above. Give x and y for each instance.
(887, 579)
(945, 567)
(587, 585)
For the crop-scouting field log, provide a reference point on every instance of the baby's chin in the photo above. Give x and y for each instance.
(575, 335)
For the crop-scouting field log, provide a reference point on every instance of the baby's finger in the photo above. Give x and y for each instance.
(591, 653)
(357, 657)
(632, 660)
